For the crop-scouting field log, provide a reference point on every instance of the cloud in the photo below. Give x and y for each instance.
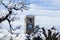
(48, 4)
(44, 20)
(40, 11)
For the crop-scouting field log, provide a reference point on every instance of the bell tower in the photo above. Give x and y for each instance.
(29, 21)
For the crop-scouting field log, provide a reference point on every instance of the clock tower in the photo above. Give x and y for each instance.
(29, 24)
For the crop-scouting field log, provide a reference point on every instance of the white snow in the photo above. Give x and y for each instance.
(4, 34)
(3, 13)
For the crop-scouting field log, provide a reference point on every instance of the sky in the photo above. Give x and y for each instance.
(47, 4)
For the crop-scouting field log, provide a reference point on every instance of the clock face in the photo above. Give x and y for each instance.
(29, 26)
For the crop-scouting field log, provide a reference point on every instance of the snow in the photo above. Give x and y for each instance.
(4, 34)
(5, 25)
(19, 34)
(20, 37)
(3, 13)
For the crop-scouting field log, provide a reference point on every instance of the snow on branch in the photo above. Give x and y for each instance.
(3, 14)
(20, 5)
(10, 5)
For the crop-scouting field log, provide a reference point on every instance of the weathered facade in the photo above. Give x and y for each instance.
(29, 24)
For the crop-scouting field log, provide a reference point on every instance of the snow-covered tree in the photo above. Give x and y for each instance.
(11, 6)
(52, 34)
(9, 14)
(40, 33)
